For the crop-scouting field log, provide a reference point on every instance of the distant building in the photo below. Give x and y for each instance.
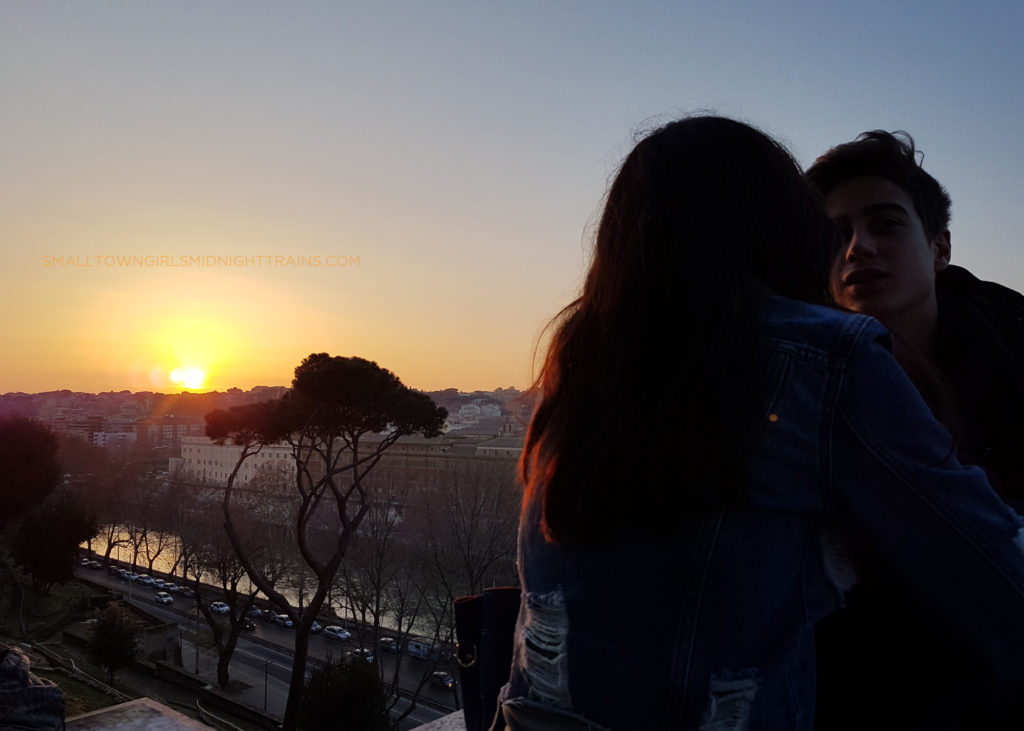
(169, 430)
(113, 439)
(204, 461)
(508, 447)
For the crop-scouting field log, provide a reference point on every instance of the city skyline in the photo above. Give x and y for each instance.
(216, 191)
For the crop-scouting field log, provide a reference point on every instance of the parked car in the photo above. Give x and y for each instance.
(422, 650)
(113, 569)
(388, 644)
(145, 579)
(84, 562)
(254, 613)
(315, 627)
(441, 679)
(187, 592)
(173, 588)
(220, 608)
(284, 621)
(95, 565)
(333, 632)
(363, 652)
(164, 598)
(159, 582)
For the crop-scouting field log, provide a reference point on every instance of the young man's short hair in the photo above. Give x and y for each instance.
(888, 155)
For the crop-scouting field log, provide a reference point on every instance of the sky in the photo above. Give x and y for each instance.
(230, 186)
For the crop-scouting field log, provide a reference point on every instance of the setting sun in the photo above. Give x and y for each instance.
(191, 378)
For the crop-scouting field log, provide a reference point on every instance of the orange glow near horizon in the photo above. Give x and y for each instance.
(168, 331)
(168, 334)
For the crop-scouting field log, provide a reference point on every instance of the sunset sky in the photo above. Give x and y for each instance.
(452, 155)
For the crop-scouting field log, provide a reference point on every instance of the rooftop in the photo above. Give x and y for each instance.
(143, 714)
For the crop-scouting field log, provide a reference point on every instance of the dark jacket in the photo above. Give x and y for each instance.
(980, 352)
(882, 654)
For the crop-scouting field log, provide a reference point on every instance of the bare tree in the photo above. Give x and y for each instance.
(115, 535)
(219, 560)
(434, 534)
(209, 557)
(155, 543)
(382, 590)
(465, 522)
(136, 534)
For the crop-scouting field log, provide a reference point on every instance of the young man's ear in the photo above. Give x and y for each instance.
(943, 249)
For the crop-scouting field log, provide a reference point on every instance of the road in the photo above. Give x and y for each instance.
(263, 659)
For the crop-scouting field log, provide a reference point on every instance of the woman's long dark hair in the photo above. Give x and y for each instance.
(649, 388)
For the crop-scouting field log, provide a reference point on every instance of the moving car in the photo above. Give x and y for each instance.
(388, 644)
(164, 598)
(441, 679)
(219, 608)
(284, 621)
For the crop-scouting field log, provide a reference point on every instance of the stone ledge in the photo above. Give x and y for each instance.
(452, 722)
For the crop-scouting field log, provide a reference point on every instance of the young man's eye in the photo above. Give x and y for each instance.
(885, 225)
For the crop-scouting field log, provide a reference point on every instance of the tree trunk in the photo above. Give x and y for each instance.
(298, 683)
(224, 659)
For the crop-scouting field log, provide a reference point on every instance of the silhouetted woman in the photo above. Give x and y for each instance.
(710, 444)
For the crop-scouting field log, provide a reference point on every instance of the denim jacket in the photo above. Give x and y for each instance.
(712, 626)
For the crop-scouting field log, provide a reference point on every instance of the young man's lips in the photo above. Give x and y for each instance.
(863, 276)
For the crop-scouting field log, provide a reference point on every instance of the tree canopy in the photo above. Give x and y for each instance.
(47, 539)
(344, 694)
(331, 397)
(114, 639)
(28, 465)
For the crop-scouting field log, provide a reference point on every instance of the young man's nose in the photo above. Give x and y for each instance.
(861, 244)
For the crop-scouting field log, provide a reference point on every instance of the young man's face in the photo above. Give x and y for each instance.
(887, 263)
